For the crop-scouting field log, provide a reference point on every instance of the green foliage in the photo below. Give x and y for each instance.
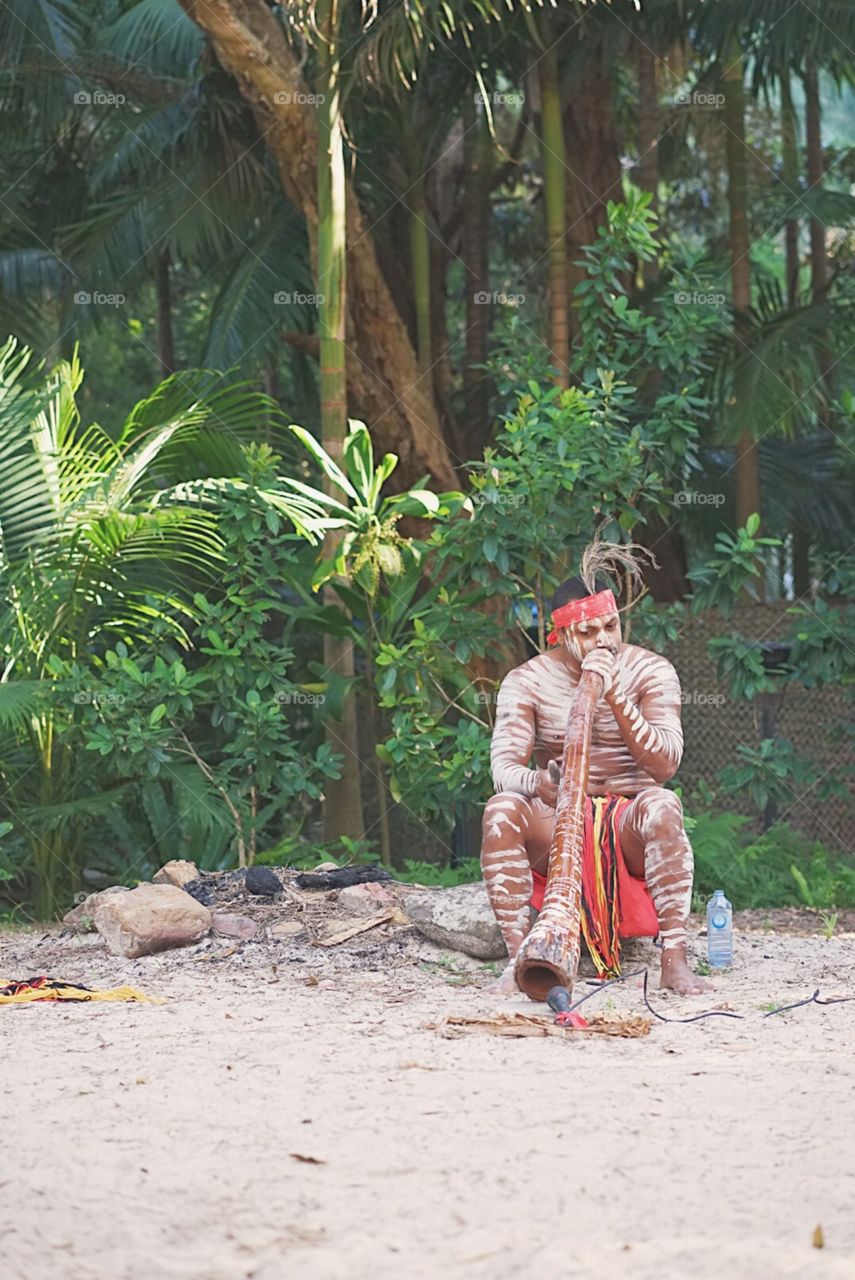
(429, 873)
(773, 773)
(733, 570)
(781, 868)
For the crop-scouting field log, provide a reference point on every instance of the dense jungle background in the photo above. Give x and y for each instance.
(335, 330)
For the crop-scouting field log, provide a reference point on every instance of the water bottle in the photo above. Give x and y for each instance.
(719, 931)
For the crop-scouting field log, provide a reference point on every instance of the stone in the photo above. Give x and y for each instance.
(287, 929)
(368, 899)
(262, 882)
(82, 917)
(152, 917)
(460, 918)
(179, 872)
(229, 925)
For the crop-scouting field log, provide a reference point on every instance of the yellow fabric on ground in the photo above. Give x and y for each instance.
(30, 989)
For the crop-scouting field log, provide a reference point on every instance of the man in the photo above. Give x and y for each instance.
(636, 746)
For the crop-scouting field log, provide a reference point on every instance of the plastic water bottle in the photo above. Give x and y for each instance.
(719, 931)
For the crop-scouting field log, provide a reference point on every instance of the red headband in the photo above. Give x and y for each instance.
(580, 610)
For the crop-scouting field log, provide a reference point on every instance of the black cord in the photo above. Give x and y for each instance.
(698, 1017)
(599, 986)
(713, 1013)
(814, 999)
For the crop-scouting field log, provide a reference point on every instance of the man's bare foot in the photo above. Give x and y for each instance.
(506, 983)
(678, 977)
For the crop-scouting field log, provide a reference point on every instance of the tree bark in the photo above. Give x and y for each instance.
(163, 288)
(747, 462)
(790, 175)
(384, 382)
(555, 202)
(647, 138)
(815, 174)
(477, 185)
(594, 146)
(343, 795)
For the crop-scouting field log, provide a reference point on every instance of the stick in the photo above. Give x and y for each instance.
(549, 955)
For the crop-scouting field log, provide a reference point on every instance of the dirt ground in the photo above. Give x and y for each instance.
(289, 1115)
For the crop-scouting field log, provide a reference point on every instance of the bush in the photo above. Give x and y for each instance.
(781, 868)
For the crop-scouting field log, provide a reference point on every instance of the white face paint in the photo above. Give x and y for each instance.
(592, 633)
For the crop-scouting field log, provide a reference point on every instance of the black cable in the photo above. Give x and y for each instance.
(599, 986)
(814, 999)
(713, 1013)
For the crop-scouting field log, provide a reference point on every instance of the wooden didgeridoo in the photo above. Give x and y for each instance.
(549, 955)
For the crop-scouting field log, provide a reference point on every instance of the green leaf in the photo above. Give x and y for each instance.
(157, 714)
(330, 468)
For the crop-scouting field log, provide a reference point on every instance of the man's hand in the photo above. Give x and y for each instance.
(547, 783)
(604, 662)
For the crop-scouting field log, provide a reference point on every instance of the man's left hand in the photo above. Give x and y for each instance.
(604, 662)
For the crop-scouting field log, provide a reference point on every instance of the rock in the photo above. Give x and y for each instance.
(152, 917)
(263, 882)
(82, 917)
(178, 872)
(228, 925)
(287, 929)
(368, 899)
(460, 918)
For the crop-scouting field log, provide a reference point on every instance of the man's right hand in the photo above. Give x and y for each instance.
(547, 783)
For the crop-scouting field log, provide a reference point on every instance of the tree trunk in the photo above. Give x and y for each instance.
(555, 202)
(477, 185)
(815, 174)
(789, 139)
(420, 269)
(647, 165)
(343, 807)
(382, 370)
(165, 342)
(594, 144)
(747, 463)
(791, 184)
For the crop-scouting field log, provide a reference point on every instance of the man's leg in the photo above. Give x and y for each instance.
(515, 839)
(655, 845)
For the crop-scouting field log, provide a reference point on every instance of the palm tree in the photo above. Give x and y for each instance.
(92, 551)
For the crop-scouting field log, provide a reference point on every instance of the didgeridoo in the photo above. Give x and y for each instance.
(549, 955)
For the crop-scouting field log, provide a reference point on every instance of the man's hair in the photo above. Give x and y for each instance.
(574, 589)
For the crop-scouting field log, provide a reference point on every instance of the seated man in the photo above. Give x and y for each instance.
(636, 746)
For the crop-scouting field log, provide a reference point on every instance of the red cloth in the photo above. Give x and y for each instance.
(636, 913)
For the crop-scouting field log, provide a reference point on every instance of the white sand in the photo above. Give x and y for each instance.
(156, 1142)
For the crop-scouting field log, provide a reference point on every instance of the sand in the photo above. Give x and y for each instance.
(280, 1119)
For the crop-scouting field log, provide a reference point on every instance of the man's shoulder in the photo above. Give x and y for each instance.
(534, 672)
(646, 665)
